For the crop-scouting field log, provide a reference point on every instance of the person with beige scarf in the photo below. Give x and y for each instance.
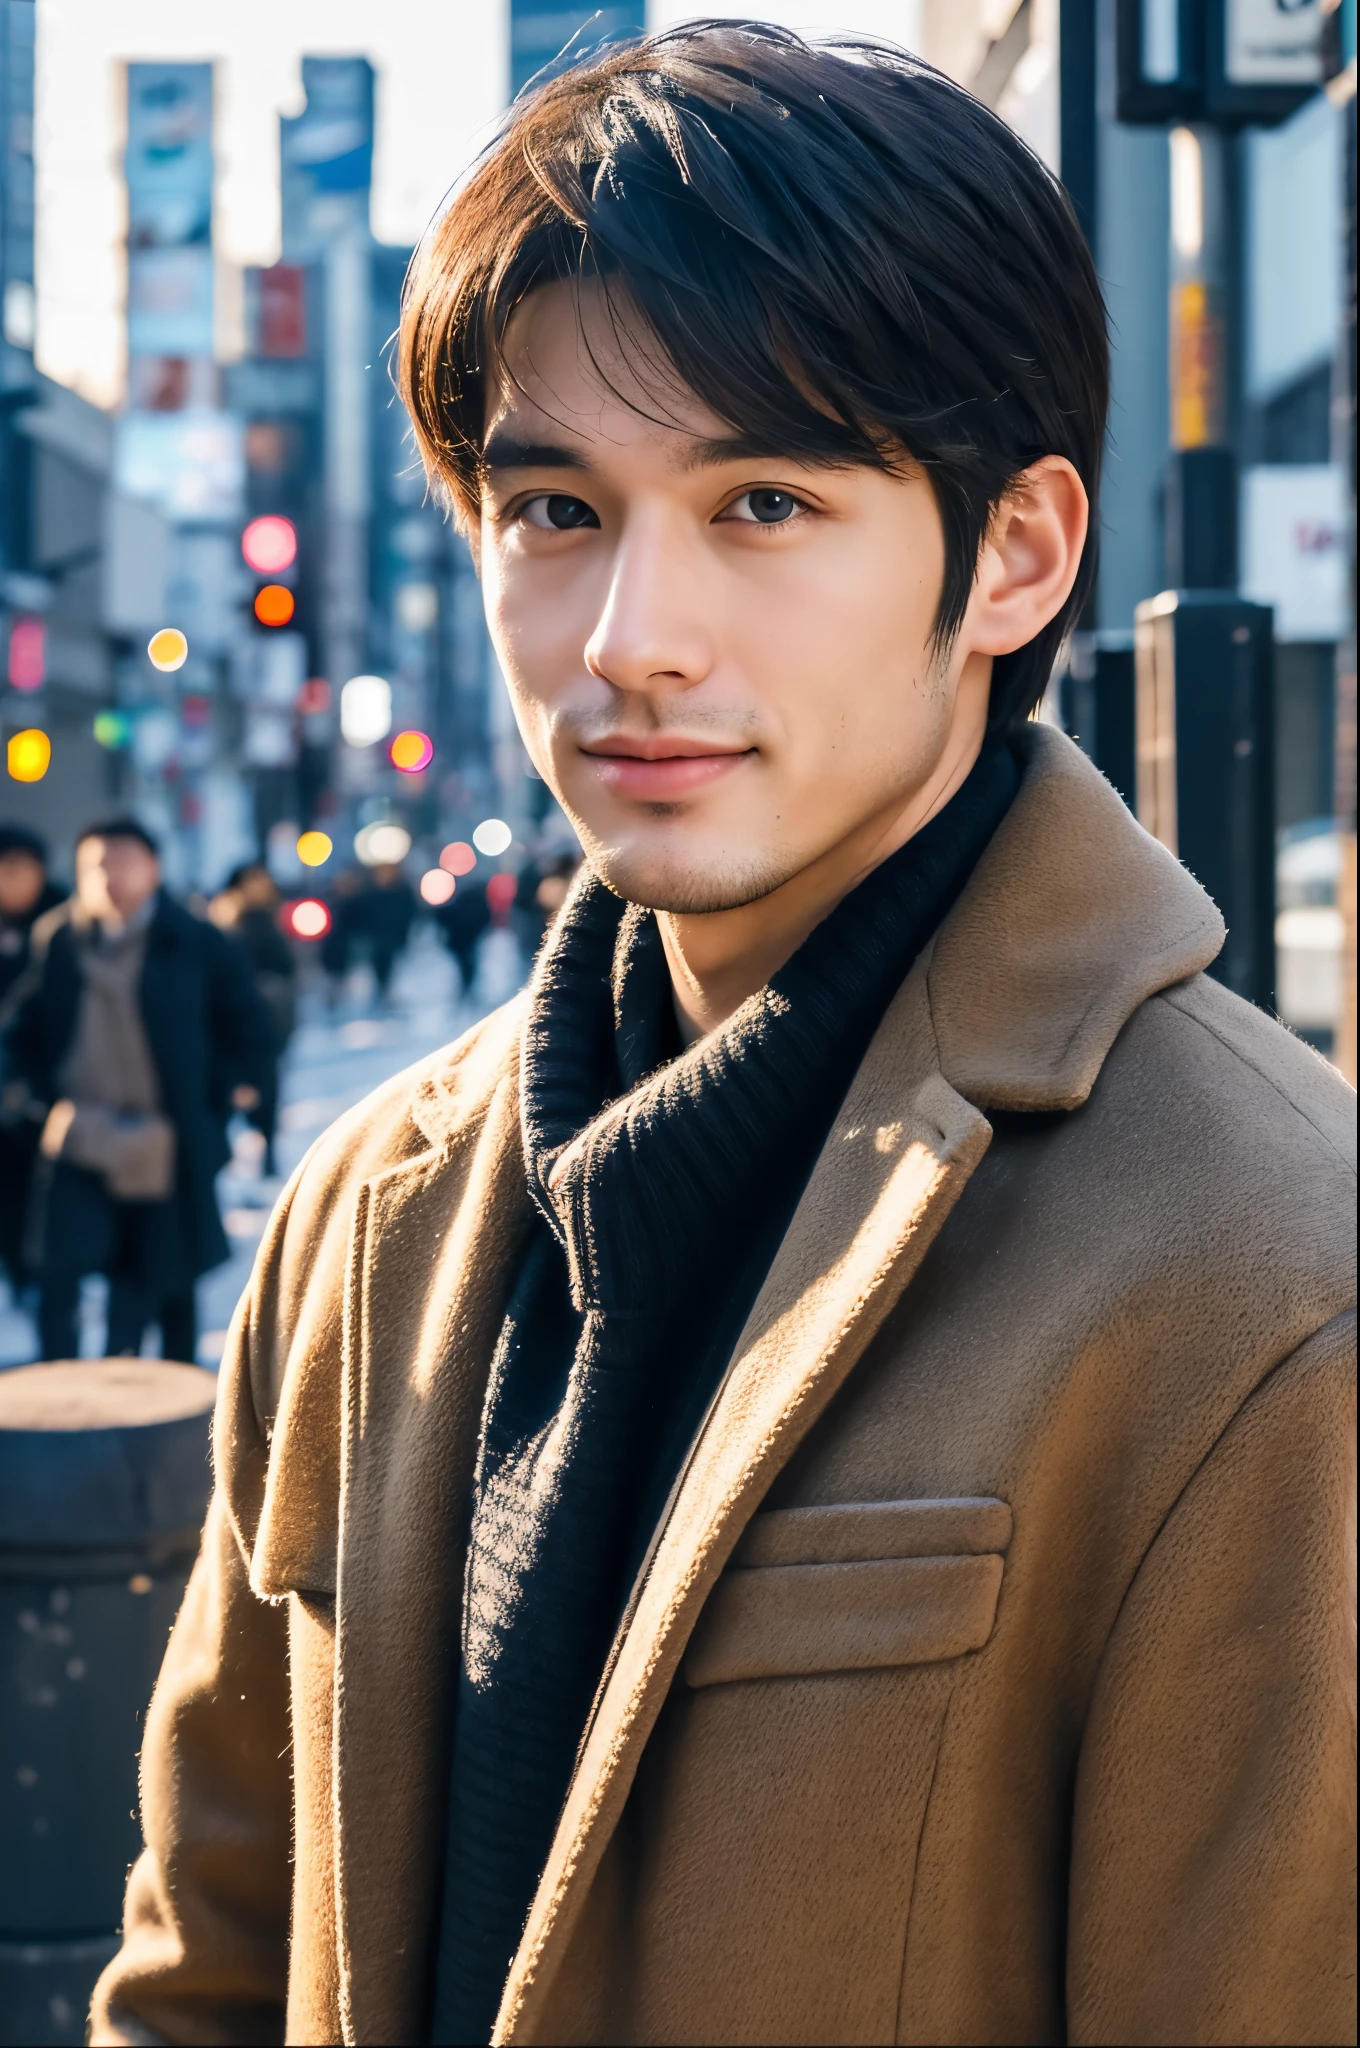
(796, 1484)
(130, 1030)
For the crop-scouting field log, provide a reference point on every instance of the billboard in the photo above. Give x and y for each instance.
(326, 156)
(169, 169)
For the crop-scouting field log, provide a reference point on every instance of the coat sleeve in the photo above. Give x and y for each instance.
(1213, 1868)
(205, 1928)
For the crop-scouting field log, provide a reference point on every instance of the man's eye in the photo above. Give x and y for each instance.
(764, 507)
(555, 512)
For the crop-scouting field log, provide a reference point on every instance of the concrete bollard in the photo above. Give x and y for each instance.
(104, 1481)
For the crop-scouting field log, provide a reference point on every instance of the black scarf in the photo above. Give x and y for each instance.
(663, 1182)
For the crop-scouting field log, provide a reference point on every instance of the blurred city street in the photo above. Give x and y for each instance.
(270, 831)
(337, 1056)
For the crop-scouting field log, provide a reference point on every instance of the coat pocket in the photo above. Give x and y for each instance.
(861, 1587)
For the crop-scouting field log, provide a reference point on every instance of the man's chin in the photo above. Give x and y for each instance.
(687, 888)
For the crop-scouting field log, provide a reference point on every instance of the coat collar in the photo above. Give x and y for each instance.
(1073, 917)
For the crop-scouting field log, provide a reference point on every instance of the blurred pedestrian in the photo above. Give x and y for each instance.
(135, 1031)
(543, 886)
(337, 947)
(384, 914)
(26, 894)
(248, 909)
(462, 921)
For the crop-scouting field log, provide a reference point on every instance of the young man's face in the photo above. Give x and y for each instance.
(720, 661)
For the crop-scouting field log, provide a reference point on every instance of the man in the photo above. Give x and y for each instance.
(792, 1487)
(248, 908)
(25, 893)
(133, 1031)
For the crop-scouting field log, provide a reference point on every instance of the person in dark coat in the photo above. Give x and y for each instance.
(384, 914)
(26, 894)
(135, 1033)
(248, 910)
(337, 947)
(462, 921)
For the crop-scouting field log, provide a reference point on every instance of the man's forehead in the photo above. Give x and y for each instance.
(581, 369)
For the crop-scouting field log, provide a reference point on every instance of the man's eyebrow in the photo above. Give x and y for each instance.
(709, 453)
(504, 450)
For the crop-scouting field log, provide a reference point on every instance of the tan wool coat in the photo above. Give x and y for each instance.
(991, 1678)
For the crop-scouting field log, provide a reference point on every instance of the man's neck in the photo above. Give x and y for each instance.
(721, 957)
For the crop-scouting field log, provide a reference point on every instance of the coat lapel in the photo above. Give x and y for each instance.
(897, 1158)
(433, 1246)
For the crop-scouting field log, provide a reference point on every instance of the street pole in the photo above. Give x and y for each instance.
(1203, 656)
(1201, 503)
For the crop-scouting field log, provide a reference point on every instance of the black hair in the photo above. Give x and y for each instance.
(18, 839)
(244, 868)
(125, 827)
(838, 250)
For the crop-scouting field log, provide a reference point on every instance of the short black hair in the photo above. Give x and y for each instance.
(18, 839)
(126, 827)
(244, 868)
(839, 251)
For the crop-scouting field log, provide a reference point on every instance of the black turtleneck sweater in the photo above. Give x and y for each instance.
(663, 1182)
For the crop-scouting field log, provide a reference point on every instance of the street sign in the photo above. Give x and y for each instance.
(1230, 62)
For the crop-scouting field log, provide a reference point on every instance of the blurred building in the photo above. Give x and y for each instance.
(1255, 496)
(58, 511)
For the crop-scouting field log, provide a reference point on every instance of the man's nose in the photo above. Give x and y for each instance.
(652, 634)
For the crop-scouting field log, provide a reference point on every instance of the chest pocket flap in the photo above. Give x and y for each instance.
(858, 1587)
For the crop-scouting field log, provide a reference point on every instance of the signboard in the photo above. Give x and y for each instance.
(326, 156)
(1295, 547)
(1232, 62)
(190, 465)
(169, 168)
(170, 301)
(1272, 42)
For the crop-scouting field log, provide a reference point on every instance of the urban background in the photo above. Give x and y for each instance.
(229, 607)
(230, 611)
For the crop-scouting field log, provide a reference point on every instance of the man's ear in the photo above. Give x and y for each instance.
(1029, 559)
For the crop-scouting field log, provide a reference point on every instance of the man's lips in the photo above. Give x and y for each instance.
(659, 768)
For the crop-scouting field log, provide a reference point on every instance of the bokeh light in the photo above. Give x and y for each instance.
(314, 695)
(274, 604)
(314, 849)
(411, 751)
(27, 654)
(492, 836)
(458, 858)
(168, 649)
(310, 918)
(366, 710)
(269, 544)
(436, 885)
(500, 894)
(28, 755)
(382, 845)
(112, 729)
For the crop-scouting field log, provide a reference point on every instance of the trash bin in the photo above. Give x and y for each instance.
(104, 1481)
